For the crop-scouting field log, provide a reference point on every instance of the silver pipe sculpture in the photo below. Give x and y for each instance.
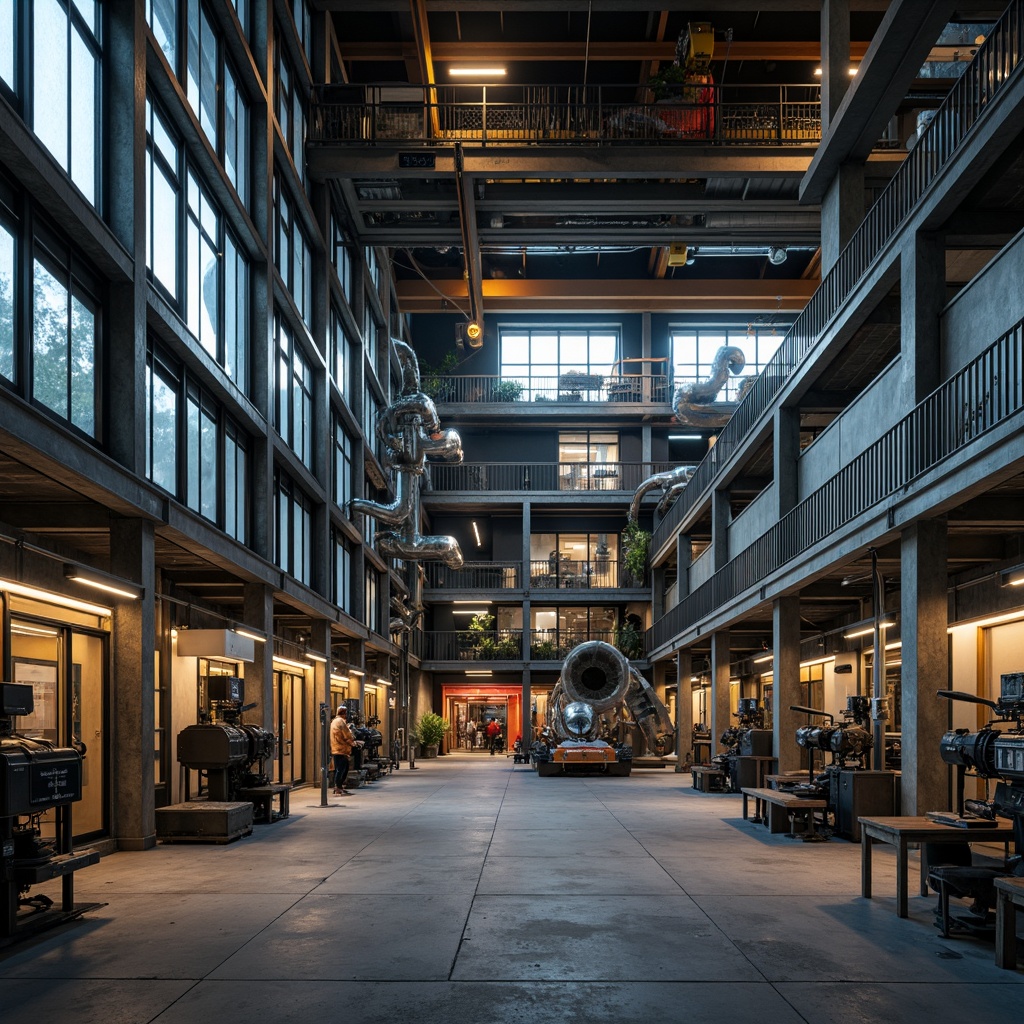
(691, 402)
(411, 434)
(671, 483)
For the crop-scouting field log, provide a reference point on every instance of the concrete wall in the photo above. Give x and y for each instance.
(753, 522)
(980, 313)
(700, 569)
(871, 414)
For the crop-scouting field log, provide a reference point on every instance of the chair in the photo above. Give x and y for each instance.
(954, 871)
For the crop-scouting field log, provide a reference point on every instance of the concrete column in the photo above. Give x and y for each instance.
(721, 712)
(684, 708)
(835, 58)
(721, 513)
(132, 694)
(786, 688)
(787, 459)
(842, 212)
(319, 643)
(925, 656)
(922, 297)
(684, 559)
(524, 581)
(258, 612)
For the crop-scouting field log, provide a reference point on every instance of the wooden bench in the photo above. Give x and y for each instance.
(707, 779)
(782, 810)
(262, 799)
(1009, 896)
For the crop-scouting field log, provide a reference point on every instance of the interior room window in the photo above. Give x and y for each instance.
(694, 350)
(552, 362)
(7, 293)
(161, 425)
(588, 460)
(66, 90)
(288, 105)
(292, 255)
(293, 408)
(64, 336)
(573, 560)
(563, 627)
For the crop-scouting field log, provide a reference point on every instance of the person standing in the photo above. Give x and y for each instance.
(471, 734)
(342, 742)
(493, 734)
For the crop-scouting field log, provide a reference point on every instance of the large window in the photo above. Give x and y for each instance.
(373, 595)
(163, 187)
(293, 533)
(293, 408)
(341, 257)
(588, 460)
(341, 350)
(291, 114)
(558, 364)
(8, 49)
(7, 302)
(341, 582)
(236, 494)
(64, 341)
(573, 560)
(556, 630)
(202, 453)
(66, 86)
(162, 424)
(342, 470)
(292, 254)
(694, 350)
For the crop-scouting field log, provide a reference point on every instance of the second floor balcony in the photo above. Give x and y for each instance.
(515, 645)
(545, 574)
(498, 477)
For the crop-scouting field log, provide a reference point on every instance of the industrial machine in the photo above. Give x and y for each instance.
(846, 782)
(231, 759)
(596, 697)
(36, 777)
(746, 740)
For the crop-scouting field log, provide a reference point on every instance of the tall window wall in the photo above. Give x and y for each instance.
(552, 362)
(293, 408)
(292, 255)
(288, 103)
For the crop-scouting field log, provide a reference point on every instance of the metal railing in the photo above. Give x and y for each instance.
(571, 574)
(735, 114)
(996, 58)
(567, 387)
(474, 576)
(984, 394)
(555, 644)
(541, 476)
(469, 645)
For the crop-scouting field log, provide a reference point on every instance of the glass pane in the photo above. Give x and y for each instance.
(192, 71)
(210, 318)
(515, 349)
(164, 434)
(50, 79)
(83, 366)
(7, 44)
(50, 341)
(164, 233)
(208, 484)
(208, 81)
(574, 351)
(163, 22)
(83, 117)
(88, 718)
(6, 303)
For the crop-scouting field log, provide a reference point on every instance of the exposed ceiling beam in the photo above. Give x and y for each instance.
(509, 295)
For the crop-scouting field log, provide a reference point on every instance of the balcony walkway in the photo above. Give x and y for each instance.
(473, 891)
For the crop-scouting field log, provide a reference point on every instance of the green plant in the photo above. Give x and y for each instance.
(667, 81)
(506, 391)
(636, 547)
(629, 640)
(430, 729)
(435, 381)
(544, 650)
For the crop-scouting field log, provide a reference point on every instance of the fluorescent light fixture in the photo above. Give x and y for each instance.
(481, 673)
(335, 678)
(866, 630)
(476, 535)
(1012, 577)
(319, 658)
(470, 611)
(24, 629)
(292, 664)
(251, 635)
(478, 72)
(817, 661)
(851, 71)
(763, 659)
(686, 437)
(473, 603)
(356, 672)
(383, 681)
(993, 620)
(35, 594)
(101, 581)
(894, 646)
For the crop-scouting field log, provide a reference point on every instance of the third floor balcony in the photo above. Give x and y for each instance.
(557, 477)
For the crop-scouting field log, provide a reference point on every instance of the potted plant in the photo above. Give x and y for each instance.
(629, 640)
(544, 650)
(506, 391)
(636, 546)
(430, 731)
(435, 381)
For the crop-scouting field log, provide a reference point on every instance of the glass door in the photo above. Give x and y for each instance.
(289, 701)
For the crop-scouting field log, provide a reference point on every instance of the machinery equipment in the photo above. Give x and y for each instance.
(36, 777)
(597, 692)
(748, 738)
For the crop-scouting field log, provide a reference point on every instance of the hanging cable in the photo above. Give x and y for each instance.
(586, 52)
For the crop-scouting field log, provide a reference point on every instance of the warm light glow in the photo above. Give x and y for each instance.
(685, 437)
(73, 572)
(817, 661)
(474, 603)
(249, 635)
(34, 594)
(24, 629)
(479, 73)
(894, 646)
(470, 611)
(335, 678)
(292, 664)
(383, 681)
(481, 673)
(476, 535)
(356, 672)
(851, 71)
(174, 634)
(995, 620)
(473, 330)
(866, 630)
(763, 659)
(316, 657)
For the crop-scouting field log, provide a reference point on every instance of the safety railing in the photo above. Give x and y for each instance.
(540, 476)
(739, 114)
(555, 644)
(567, 387)
(573, 574)
(474, 576)
(469, 645)
(996, 58)
(980, 397)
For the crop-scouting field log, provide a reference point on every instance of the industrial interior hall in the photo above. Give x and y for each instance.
(511, 508)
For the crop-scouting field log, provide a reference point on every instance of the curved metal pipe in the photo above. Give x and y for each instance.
(417, 548)
(669, 479)
(444, 444)
(410, 366)
(649, 712)
(691, 402)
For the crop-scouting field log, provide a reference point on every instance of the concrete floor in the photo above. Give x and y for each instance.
(471, 891)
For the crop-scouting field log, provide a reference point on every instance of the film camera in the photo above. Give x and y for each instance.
(35, 777)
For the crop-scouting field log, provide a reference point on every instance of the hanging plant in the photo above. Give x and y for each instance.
(636, 548)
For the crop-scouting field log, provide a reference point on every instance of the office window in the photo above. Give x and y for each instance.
(242, 13)
(64, 342)
(370, 333)
(201, 71)
(236, 494)
(303, 26)
(66, 87)
(553, 364)
(373, 616)
(563, 627)
(288, 106)
(7, 299)
(236, 136)
(588, 460)
(341, 257)
(161, 424)
(236, 313)
(293, 528)
(292, 255)
(573, 560)
(201, 269)
(694, 350)
(340, 352)
(293, 408)
(371, 414)
(201, 454)
(342, 469)
(163, 187)
(341, 582)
